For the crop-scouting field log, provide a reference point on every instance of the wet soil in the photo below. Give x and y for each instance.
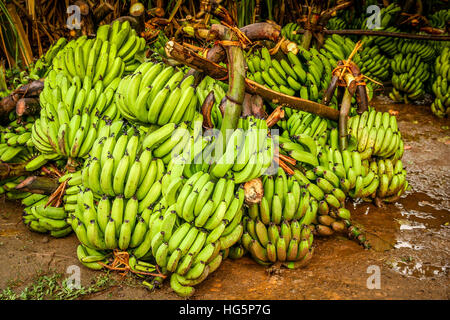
(410, 239)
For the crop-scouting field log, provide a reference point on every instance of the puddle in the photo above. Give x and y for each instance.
(419, 270)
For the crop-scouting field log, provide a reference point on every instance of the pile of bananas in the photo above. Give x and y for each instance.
(157, 94)
(441, 104)
(147, 182)
(277, 229)
(73, 113)
(410, 75)
(15, 143)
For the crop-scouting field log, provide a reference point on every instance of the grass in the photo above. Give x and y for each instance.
(54, 287)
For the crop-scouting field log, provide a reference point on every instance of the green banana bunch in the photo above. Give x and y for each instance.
(304, 75)
(376, 133)
(95, 58)
(73, 114)
(157, 94)
(424, 49)
(193, 222)
(392, 179)
(441, 104)
(374, 63)
(108, 223)
(39, 218)
(119, 165)
(439, 19)
(287, 32)
(410, 74)
(287, 242)
(15, 143)
(285, 199)
(128, 45)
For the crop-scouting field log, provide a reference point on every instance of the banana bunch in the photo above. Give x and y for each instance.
(195, 220)
(119, 166)
(15, 142)
(73, 114)
(441, 105)
(424, 49)
(42, 66)
(376, 134)
(39, 218)
(439, 19)
(374, 63)
(339, 48)
(388, 45)
(104, 223)
(124, 42)
(207, 85)
(287, 32)
(289, 242)
(157, 94)
(56, 221)
(410, 75)
(204, 201)
(95, 58)
(249, 152)
(285, 199)
(289, 75)
(392, 179)
(307, 124)
(79, 95)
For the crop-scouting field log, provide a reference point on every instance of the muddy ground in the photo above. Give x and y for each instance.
(411, 242)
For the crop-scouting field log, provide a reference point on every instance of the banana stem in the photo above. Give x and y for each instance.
(236, 81)
(39, 184)
(343, 119)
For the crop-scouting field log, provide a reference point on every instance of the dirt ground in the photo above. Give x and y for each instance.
(410, 239)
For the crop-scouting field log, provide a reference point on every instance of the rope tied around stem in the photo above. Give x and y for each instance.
(340, 70)
(121, 263)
